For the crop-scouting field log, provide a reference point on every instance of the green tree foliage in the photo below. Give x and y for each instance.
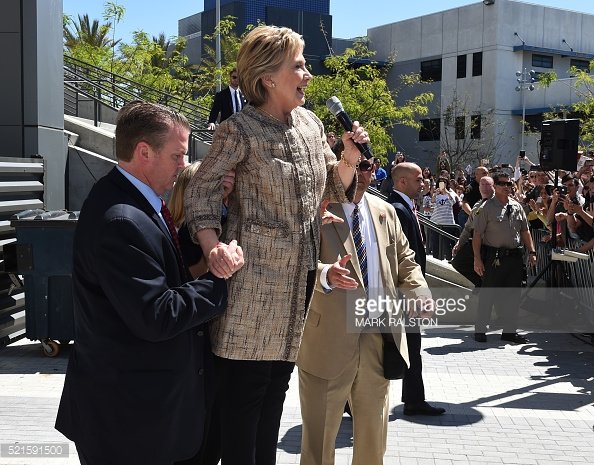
(584, 88)
(113, 12)
(582, 85)
(157, 63)
(360, 84)
(208, 73)
(148, 62)
(86, 32)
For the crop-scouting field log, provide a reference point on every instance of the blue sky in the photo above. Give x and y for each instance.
(350, 18)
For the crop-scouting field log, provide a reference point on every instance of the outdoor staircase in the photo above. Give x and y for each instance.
(21, 188)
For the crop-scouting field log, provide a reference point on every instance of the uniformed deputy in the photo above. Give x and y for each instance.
(500, 227)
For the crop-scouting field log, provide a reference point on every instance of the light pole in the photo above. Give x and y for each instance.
(526, 81)
(218, 43)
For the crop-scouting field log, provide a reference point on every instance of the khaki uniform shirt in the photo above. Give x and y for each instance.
(500, 224)
(466, 233)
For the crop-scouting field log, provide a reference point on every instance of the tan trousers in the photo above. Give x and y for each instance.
(322, 406)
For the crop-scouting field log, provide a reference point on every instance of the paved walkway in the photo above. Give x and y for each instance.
(529, 404)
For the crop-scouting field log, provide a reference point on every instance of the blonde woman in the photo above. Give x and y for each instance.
(284, 169)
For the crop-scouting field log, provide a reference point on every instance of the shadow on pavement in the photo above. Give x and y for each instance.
(28, 358)
(468, 416)
(291, 441)
(568, 359)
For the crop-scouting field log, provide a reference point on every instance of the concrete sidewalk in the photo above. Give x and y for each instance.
(506, 404)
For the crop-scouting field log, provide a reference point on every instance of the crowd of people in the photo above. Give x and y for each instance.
(448, 196)
(191, 315)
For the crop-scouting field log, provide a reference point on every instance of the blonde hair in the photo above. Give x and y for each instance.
(176, 199)
(262, 52)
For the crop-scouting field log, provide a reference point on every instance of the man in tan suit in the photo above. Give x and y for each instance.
(337, 361)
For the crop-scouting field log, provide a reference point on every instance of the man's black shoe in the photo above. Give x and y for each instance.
(423, 408)
(514, 337)
(480, 337)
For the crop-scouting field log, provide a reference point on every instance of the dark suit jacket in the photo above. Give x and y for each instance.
(410, 228)
(222, 104)
(413, 388)
(134, 389)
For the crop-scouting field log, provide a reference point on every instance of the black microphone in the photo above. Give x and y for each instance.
(335, 107)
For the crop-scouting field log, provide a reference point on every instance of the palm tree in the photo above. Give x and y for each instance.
(85, 32)
(159, 59)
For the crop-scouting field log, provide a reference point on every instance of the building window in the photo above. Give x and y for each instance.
(477, 63)
(460, 127)
(475, 127)
(429, 129)
(542, 61)
(583, 65)
(431, 70)
(461, 71)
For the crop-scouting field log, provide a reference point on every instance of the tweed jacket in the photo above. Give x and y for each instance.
(282, 174)
(329, 340)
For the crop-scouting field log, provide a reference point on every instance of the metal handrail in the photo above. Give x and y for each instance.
(112, 91)
(445, 238)
(88, 70)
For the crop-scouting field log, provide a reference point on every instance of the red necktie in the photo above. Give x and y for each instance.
(172, 231)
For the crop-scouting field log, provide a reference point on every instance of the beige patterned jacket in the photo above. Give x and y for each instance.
(282, 174)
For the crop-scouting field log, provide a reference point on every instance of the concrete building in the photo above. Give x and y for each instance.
(471, 55)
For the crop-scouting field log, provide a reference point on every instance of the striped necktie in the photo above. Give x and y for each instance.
(237, 101)
(360, 247)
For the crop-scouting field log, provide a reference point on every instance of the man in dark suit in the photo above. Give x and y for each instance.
(135, 383)
(226, 102)
(408, 183)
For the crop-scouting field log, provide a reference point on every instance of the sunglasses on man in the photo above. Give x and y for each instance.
(505, 183)
(365, 166)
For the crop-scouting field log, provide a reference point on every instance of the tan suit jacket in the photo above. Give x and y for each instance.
(327, 345)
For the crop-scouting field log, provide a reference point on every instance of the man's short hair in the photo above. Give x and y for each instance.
(143, 121)
(499, 175)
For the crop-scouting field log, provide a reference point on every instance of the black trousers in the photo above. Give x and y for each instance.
(501, 289)
(250, 401)
(251, 396)
(413, 389)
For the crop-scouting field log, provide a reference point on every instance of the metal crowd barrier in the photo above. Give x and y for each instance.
(575, 275)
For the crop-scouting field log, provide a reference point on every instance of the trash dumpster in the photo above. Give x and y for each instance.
(43, 251)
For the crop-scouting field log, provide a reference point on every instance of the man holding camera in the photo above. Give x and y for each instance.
(500, 228)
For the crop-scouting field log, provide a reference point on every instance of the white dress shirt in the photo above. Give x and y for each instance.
(374, 278)
(236, 99)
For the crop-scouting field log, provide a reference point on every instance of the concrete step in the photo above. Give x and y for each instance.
(446, 272)
(99, 139)
(85, 167)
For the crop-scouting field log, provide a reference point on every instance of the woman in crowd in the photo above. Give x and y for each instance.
(284, 167)
(427, 174)
(444, 200)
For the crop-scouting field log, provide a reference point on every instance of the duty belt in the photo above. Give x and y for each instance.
(503, 252)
